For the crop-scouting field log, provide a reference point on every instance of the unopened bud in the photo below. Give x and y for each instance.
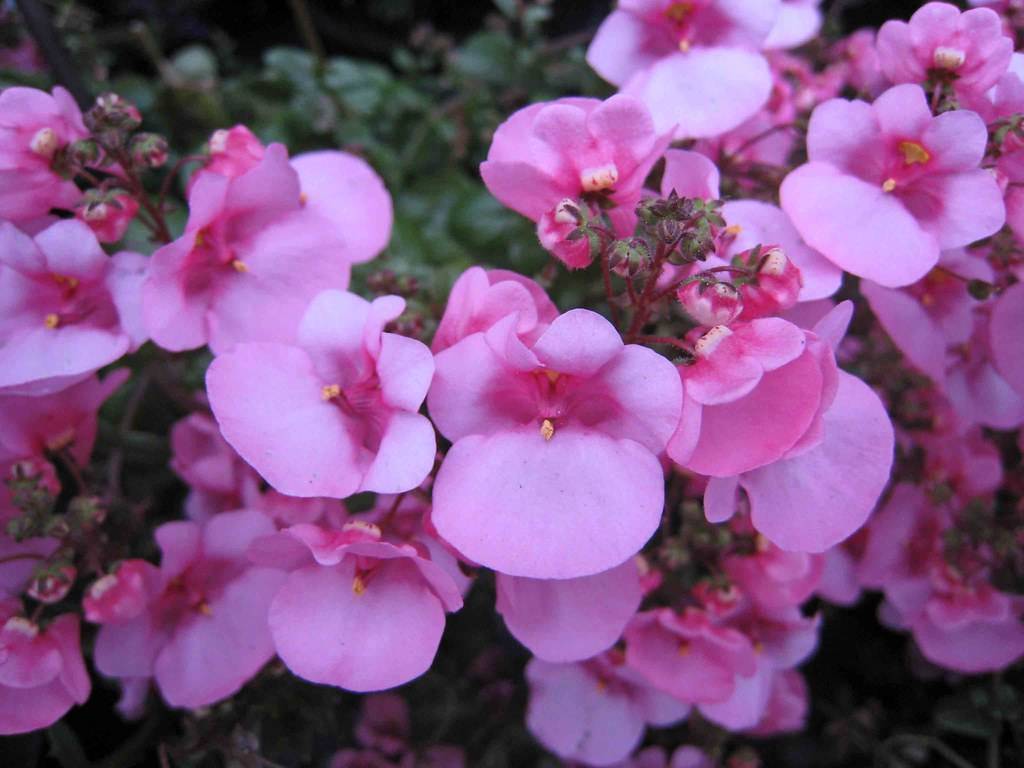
(710, 304)
(113, 113)
(568, 212)
(118, 596)
(83, 153)
(148, 150)
(108, 213)
(979, 289)
(53, 584)
(776, 284)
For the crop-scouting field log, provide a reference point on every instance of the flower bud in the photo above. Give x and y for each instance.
(118, 596)
(85, 152)
(52, 584)
(775, 285)
(107, 213)
(113, 114)
(45, 142)
(148, 150)
(710, 303)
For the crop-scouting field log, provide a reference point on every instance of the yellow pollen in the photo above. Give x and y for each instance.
(552, 375)
(761, 544)
(684, 648)
(330, 391)
(239, 265)
(889, 185)
(61, 441)
(303, 198)
(204, 608)
(51, 321)
(602, 685)
(913, 153)
(358, 585)
(733, 230)
(547, 429)
(200, 238)
(758, 647)
(684, 46)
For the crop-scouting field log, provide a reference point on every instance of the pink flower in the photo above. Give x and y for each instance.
(939, 42)
(888, 178)
(823, 488)
(336, 412)
(772, 578)
(958, 619)
(788, 703)
(798, 22)
(356, 611)
(857, 62)
(66, 308)
(594, 712)
(1004, 329)
(554, 470)
(123, 594)
(562, 620)
(203, 632)
(34, 127)
(42, 674)
(761, 389)
(33, 427)
(337, 186)
(248, 242)
(580, 152)
(480, 298)
(18, 559)
(696, 65)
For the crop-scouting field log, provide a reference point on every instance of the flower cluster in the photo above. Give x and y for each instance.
(660, 477)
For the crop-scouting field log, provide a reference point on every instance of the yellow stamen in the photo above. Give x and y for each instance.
(51, 321)
(239, 265)
(913, 153)
(733, 230)
(758, 647)
(358, 585)
(552, 375)
(330, 391)
(204, 608)
(200, 240)
(684, 648)
(68, 282)
(547, 429)
(677, 12)
(684, 46)
(889, 185)
(303, 198)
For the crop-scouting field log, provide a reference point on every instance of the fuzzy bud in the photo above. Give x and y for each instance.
(148, 150)
(775, 286)
(107, 213)
(52, 584)
(112, 114)
(83, 153)
(710, 303)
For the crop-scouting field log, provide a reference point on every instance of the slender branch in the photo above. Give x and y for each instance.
(45, 35)
(304, 21)
(606, 275)
(667, 340)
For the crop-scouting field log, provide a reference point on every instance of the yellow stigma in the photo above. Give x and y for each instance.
(678, 11)
(330, 391)
(684, 648)
(552, 375)
(733, 230)
(51, 320)
(547, 429)
(758, 647)
(303, 198)
(200, 240)
(684, 45)
(239, 265)
(913, 153)
(63, 280)
(204, 608)
(358, 585)
(889, 185)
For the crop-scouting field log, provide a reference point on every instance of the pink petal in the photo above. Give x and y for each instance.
(1007, 323)
(578, 342)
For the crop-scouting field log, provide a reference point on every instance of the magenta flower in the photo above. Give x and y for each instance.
(573, 152)
(939, 42)
(594, 712)
(42, 674)
(66, 308)
(34, 127)
(356, 611)
(203, 631)
(697, 65)
(481, 297)
(823, 488)
(336, 412)
(563, 620)
(249, 242)
(554, 471)
(1004, 329)
(888, 185)
(957, 618)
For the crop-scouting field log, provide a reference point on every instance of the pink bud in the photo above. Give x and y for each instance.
(233, 151)
(118, 596)
(52, 586)
(714, 304)
(107, 214)
(775, 287)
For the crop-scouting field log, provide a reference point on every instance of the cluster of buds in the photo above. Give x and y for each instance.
(33, 489)
(112, 118)
(385, 282)
(688, 226)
